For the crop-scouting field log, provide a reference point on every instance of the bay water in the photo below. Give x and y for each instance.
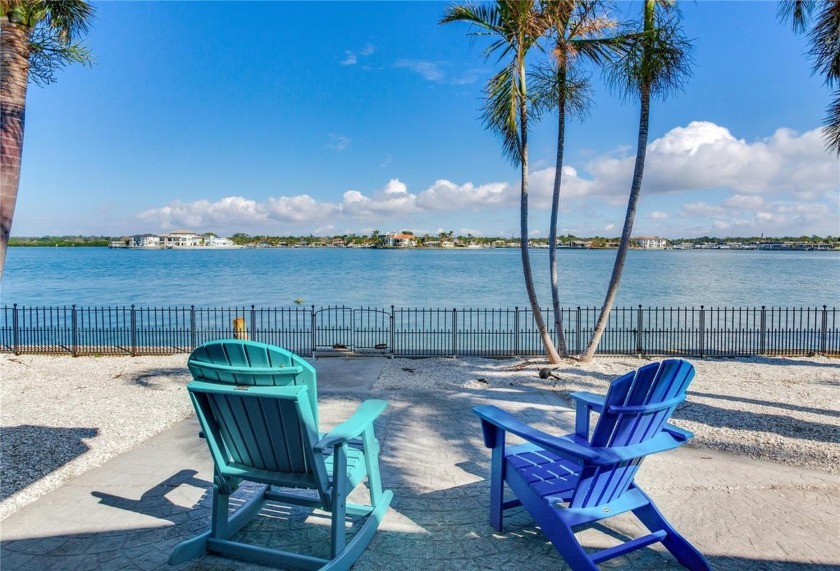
(459, 278)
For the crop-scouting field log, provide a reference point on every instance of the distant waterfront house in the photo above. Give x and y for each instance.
(650, 242)
(180, 239)
(216, 242)
(145, 241)
(399, 240)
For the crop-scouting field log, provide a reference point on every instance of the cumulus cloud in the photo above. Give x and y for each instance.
(446, 195)
(392, 199)
(784, 184)
(703, 155)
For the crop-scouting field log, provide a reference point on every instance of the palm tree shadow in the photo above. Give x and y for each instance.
(29, 453)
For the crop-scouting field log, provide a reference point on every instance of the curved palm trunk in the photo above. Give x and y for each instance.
(14, 62)
(635, 190)
(552, 233)
(629, 218)
(550, 350)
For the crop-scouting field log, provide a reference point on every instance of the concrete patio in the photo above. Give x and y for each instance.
(130, 512)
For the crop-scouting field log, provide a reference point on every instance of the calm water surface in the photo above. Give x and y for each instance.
(412, 278)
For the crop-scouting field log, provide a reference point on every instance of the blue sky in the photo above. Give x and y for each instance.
(330, 118)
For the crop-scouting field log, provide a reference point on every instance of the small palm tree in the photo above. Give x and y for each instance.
(36, 39)
(577, 30)
(657, 64)
(514, 26)
(824, 37)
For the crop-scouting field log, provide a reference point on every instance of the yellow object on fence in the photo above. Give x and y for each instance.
(239, 329)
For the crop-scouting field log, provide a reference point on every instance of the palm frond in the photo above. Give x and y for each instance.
(831, 125)
(550, 85)
(659, 59)
(69, 18)
(825, 42)
(797, 11)
(500, 113)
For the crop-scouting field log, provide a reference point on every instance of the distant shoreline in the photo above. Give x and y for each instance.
(434, 248)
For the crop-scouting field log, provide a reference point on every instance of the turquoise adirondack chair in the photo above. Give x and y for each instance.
(267, 433)
(572, 481)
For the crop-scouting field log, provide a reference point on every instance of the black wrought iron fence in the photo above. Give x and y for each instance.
(688, 331)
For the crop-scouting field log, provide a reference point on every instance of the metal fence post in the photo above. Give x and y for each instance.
(454, 332)
(702, 336)
(824, 331)
(15, 330)
(313, 338)
(762, 339)
(516, 332)
(193, 333)
(393, 334)
(74, 333)
(639, 325)
(578, 349)
(253, 324)
(133, 331)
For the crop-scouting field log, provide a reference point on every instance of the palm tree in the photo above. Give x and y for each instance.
(36, 39)
(514, 26)
(657, 64)
(577, 30)
(824, 37)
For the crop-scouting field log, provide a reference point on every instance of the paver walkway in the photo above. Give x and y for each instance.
(129, 513)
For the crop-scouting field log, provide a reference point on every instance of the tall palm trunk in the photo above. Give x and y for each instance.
(552, 232)
(629, 218)
(14, 74)
(632, 202)
(550, 350)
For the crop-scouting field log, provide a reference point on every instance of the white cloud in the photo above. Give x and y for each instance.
(446, 195)
(727, 186)
(339, 142)
(352, 57)
(703, 155)
(428, 70)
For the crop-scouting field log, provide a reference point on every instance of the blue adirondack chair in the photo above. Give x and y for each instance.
(267, 433)
(569, 482)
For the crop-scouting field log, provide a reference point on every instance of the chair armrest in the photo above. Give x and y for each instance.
(584, 402)
(354, 426)
(678, 433)
(591, 400)
(493, 418)
(659, 443)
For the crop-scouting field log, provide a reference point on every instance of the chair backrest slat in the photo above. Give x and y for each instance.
(268, 429)
(644, 390)
(240, 362)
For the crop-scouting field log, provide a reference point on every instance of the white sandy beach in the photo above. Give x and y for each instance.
(62, 416)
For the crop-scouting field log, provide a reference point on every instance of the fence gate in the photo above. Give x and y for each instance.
(366, 330)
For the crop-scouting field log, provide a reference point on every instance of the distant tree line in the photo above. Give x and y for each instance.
(243, 239)
(59, 241)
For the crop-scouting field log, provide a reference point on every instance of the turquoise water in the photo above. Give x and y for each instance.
(412, 278)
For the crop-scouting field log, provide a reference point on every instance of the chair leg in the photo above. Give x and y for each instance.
(567, 545)
(675, 543)
(222, 525)
(497, 482)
